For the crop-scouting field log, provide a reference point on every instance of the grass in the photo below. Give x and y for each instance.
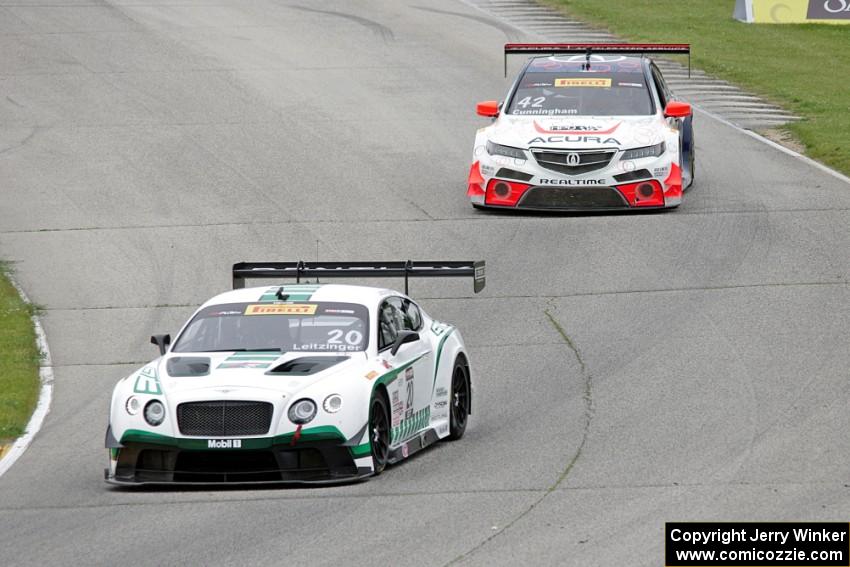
(19, 360)
(804, 68)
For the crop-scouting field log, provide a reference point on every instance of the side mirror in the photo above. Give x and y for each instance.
(402, 338)
(489, 108)
(162, 341)
(676, 109)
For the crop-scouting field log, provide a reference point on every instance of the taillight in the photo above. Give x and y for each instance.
(504, 193)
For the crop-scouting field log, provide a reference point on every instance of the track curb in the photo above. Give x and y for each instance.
(12, 452)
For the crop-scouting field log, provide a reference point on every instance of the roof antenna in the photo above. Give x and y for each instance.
(587, 60)
(280, 295)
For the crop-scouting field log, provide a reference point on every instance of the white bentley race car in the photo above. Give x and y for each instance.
(584, 127)
(304, 383)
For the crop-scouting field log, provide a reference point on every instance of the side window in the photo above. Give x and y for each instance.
(413, 315)
(663, 93)
(408, 316)
(388, 326)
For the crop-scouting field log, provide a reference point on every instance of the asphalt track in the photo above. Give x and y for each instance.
(630, 370)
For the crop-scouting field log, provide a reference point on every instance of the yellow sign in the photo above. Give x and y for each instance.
(280, 309)
(600, 83)
(793, 11)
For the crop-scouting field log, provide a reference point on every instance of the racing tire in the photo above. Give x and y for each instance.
(689, 169)
(379, 433)
(693, 167)
(459, 400)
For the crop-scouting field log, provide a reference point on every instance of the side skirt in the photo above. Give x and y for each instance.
(413, 445)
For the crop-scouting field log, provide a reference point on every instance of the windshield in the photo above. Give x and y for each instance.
(283, 326)
(558, 87)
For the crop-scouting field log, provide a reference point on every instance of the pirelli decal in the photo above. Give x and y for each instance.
(281, 309)
(598, 83)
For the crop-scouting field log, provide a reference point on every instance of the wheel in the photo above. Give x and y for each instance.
(688, 148)
(461, 397)
(693, 165)
(379, 433)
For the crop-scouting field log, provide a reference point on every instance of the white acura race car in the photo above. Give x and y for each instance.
(585, 126)
(304, 383)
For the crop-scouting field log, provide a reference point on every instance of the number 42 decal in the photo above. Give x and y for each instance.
(537, 102)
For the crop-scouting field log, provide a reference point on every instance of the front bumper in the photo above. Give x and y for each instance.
(655, 185)
(252, 461)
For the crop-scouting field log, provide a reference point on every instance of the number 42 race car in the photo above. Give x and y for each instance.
(584, 127)
(304, 383)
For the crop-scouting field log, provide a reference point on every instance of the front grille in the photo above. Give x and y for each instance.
(224, 418)
(582, 161)
(573, 198)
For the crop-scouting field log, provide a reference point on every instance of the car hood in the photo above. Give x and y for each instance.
(225, 374)
(585, 132)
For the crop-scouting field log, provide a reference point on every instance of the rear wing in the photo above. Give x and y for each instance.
(447, 269)
(589, 49)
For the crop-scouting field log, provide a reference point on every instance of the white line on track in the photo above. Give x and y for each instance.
(45, 395)
(780, 147)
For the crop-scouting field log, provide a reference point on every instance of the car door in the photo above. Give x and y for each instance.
(410, 394)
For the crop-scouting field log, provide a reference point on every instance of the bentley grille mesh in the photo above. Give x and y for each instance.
(224, 418)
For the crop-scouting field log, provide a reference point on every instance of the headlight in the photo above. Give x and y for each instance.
(154, 412)
(302, 411)
(332, 403)
(649, 151)
(497, 150)
(132, 405)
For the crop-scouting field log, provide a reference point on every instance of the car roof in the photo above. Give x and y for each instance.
(365, 295)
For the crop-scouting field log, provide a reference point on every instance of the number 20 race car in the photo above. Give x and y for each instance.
(584, 126)
(303, 383)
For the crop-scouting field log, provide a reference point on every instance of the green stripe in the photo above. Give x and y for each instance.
(437, 361)
(296, 292)
(363, 450)
(410, 427)
(321, 433)
(254, 365)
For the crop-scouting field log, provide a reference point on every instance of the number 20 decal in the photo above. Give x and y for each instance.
(352, 337)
